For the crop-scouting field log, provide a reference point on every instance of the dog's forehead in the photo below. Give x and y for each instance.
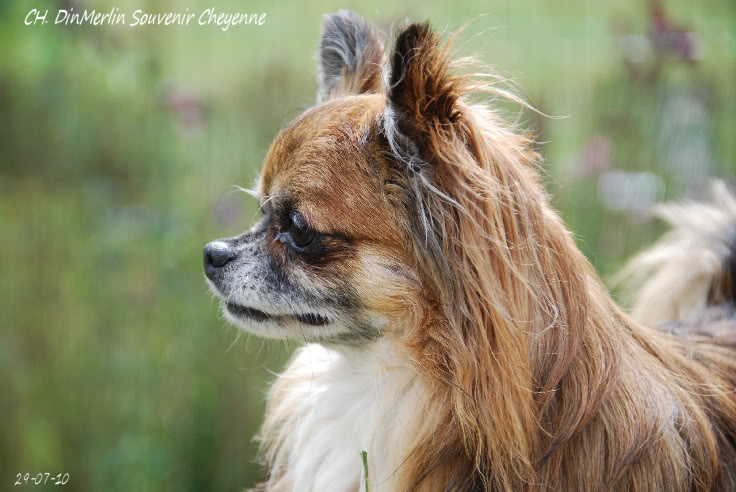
(323, 144)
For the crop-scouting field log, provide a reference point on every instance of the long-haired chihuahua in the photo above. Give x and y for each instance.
(456, 337)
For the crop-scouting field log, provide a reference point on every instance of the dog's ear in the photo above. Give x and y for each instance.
(422, 92)
(350, 56)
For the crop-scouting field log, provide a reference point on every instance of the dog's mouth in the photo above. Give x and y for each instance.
(239, 311)
(246, 312)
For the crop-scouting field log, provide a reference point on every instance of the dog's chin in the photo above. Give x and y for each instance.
(307, 326)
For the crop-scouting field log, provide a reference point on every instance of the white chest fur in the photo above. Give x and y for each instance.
(328, 406)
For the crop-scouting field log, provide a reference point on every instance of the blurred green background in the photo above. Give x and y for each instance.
(119, 149)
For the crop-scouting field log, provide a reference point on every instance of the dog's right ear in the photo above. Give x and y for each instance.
(350, 56)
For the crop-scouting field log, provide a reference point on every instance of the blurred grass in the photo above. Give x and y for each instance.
(118, 151)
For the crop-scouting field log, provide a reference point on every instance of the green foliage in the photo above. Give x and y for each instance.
(119, 147)
(364, 459)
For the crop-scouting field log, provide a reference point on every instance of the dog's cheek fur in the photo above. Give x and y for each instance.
(389, 289)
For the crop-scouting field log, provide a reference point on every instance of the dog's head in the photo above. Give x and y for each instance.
(328, 253)
(362, 198)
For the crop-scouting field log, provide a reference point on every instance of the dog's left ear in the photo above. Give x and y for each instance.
(350, 56)
(422, 92)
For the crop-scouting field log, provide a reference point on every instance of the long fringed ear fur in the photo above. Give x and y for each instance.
(350, 56)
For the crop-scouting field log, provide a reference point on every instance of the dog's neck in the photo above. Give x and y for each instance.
(329, 406)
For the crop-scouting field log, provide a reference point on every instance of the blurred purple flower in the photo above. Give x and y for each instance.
(670, 39)
(190, 108)
(594, 157)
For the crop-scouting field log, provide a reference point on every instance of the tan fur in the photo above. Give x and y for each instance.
(534, 378)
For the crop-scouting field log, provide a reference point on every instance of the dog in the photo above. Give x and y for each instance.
(455, 338)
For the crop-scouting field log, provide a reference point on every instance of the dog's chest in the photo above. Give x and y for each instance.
(328, 407)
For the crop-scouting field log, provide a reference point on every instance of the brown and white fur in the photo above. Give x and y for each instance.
(454, 332)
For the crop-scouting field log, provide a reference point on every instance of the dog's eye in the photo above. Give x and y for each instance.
(297, 228)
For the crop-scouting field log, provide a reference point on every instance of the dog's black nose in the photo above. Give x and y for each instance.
(216, 255)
